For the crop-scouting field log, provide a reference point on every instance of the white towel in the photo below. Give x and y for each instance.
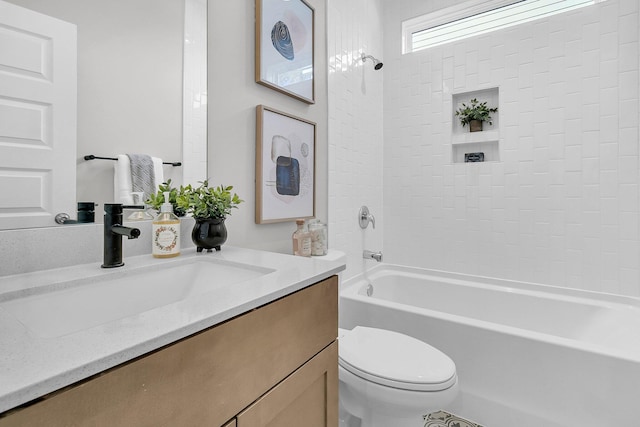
(122, 182)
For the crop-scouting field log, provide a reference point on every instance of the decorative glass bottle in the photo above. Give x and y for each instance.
(318, 233)
(301, 240)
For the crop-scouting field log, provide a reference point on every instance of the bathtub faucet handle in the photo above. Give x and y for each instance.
(365, 217)
(372, 255)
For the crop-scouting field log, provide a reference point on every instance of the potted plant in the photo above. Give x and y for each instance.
(156, 200)
(209, 206)
(474, 114)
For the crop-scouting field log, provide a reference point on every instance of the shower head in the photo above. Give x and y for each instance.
(376, 63)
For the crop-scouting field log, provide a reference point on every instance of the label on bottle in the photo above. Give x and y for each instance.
(301, 244)
(166, 239)
(305, 245)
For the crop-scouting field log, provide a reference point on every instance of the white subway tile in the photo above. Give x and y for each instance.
(628, 169)
(628, 57)
(628, 28)
(608, 184)
(565, 192)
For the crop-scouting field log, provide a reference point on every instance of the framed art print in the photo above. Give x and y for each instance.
(284, 47)
(285, 166)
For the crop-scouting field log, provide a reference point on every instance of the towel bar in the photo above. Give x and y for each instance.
(92, 157)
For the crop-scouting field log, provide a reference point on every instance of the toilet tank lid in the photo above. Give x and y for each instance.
(394, 359)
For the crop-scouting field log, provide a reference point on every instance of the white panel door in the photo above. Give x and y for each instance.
(38, 102)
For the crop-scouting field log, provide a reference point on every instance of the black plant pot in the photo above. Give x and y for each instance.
(209, 233)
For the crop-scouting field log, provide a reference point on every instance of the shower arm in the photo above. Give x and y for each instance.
(377, 64)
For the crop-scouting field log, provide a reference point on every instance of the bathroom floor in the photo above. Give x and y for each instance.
(445, 419)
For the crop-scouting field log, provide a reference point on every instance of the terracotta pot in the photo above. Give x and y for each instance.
(209, 233)
(475, 125)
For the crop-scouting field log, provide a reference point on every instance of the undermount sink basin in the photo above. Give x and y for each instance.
(64, 309)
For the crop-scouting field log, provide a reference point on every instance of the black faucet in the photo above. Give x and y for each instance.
(113, 232)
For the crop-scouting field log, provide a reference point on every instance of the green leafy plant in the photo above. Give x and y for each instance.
(208, 202)
(156, 200)
(475, 111)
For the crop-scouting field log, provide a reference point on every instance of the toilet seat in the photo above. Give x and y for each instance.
(395, 360)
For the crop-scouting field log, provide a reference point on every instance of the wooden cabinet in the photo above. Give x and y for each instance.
(305, 398)
(273, 366)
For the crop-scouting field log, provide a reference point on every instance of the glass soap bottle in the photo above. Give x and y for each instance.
(301, 240)
(166, 232)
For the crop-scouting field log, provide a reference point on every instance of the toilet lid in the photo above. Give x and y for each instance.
(396, 360)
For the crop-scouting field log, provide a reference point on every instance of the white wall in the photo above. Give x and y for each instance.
(355, 128)
(233, 97)
(561, 206)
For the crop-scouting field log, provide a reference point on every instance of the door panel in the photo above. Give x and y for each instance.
(38, 97)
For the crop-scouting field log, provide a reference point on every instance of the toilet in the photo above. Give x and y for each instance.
(388, 379)
(391, 379)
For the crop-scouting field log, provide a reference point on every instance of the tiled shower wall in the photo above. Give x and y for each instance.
(355, 128)
(194, 114)
(561, 206)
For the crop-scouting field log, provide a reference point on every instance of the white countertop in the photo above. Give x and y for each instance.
(32, 365)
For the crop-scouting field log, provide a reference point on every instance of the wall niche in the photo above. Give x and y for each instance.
(480, 146)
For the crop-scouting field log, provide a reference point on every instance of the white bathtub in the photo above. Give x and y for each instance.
(526, 354)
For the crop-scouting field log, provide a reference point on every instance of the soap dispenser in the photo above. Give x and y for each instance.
(166, 232)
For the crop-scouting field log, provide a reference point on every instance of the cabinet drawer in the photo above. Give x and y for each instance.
(308, 397)
(205, 379)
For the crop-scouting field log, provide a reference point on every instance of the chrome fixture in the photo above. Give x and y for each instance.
(372, 255)
(113, 232)
(64, 218)
(85, 214)
(369, 289)
(377, 64)
(364, 218)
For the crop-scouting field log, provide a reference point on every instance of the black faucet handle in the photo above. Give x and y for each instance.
(113, 208)
(116, 208)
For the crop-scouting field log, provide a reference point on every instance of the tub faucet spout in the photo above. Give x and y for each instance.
(372, 255)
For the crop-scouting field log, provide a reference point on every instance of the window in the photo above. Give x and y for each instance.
(478, 17)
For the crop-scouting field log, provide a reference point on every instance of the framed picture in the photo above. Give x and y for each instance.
(285, 166)
(285, 47)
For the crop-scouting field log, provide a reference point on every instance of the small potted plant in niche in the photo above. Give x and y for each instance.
(209, 206)
(156, 200)
(474, 114)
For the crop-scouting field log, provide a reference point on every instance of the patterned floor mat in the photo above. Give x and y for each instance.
(445, 419)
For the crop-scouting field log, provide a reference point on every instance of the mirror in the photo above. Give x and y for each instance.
(133, 96)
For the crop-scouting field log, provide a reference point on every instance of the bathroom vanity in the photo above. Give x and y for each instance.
(267, 357)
